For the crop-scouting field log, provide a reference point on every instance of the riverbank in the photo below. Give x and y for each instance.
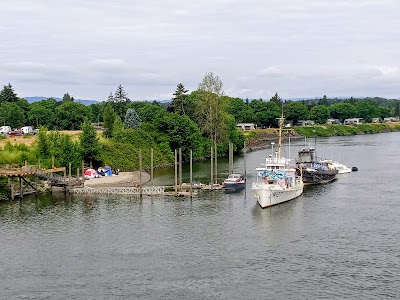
(262, 138)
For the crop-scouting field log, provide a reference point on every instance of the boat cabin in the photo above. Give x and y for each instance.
(306, 155)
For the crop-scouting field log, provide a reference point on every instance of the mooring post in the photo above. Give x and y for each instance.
(11, 186)
(151, 163)
(21, 190)
(52, 162)
(244, 158)
(26, 163)
(180, 169)
(140, 172)
(216, 165)
(83, 169)
(176, 172)
(191, 172)
(212, 167)
(39, 164)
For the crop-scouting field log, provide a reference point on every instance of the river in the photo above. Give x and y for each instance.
(336, 241)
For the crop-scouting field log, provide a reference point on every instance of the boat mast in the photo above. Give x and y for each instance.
(280, 120)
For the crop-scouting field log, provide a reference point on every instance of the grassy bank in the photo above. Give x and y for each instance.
(341, 130)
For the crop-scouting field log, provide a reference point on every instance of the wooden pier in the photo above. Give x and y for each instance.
(147, 190)
(24, 180)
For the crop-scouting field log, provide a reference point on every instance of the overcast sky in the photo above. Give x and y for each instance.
(297, 48)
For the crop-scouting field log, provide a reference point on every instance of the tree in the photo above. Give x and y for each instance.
(265, 113)
(277, 100)
(212, 107)
(89, 142)
(181, 132)
(241, 111)
(397, 109)
(383, 112)
(118, 128)
(67, 98)
(323, 101)
(120, 95)
(342, 111)
(320, 114)
(109, 118)
(70, 115)
(178, 102)
(132, 119)
(366, 109)
(12, 115)
(296, 111)
(7, 94)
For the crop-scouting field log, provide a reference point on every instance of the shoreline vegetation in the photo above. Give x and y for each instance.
(261, 138)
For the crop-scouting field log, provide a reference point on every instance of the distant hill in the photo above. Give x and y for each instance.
(40, 98)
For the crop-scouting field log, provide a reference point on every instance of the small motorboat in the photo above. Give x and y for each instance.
(234, 182)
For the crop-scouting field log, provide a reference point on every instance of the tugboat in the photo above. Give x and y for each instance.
(313, 171)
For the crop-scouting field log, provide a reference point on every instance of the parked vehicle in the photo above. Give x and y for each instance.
(4, 130)
(27, 130)
(16, 133)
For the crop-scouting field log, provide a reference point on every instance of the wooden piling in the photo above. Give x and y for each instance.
(140, 173)
(176, 172)
(244, 158)
(11, 186)
(152, 166)
(191, 173)
(52, 162)
(216, 163)
(180, 169)
(212, 166)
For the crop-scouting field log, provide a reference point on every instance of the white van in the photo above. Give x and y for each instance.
(4, 130)
(27, 129)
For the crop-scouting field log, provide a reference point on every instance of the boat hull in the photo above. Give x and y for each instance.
(268, 195)
(318, 176)
(234, 187)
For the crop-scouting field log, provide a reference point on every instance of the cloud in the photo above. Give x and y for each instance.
(293, 47)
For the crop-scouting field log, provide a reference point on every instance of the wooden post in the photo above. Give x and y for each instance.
(212, 167)
(180, 169)
(39, 164)
(244, 158)
(176, 172)
(11, 186)
(26, 163)
(69, 175)
(83, 170)
(216, 165)
(140, 172)
(21, 190)
(52, 162)
(230, 158)
(191, 172)
(65, 180)
(77, 173)
(152, 162)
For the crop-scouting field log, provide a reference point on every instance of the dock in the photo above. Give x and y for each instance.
(25, 180)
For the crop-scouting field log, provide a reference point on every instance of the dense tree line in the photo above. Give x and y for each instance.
(191, 121)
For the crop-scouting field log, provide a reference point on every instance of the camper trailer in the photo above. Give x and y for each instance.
(27, 129)
(4, 130)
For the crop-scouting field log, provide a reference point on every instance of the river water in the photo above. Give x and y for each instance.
(336, 241)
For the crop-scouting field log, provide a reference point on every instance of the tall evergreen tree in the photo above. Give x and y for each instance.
(277, 100)
(120, 95)
(323, 101)
(108, 118)
(7, 94)
(67, 98)
(178, 102)
(89, 141)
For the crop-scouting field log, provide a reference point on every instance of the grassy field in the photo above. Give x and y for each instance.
(30, 139)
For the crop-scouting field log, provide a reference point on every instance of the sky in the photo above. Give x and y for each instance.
(295, 48)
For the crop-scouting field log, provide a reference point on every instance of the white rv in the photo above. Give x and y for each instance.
(27, 129)
(4, 130)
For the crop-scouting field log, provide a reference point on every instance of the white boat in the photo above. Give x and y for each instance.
(277, 181)
(235, 182)
(342, 169)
